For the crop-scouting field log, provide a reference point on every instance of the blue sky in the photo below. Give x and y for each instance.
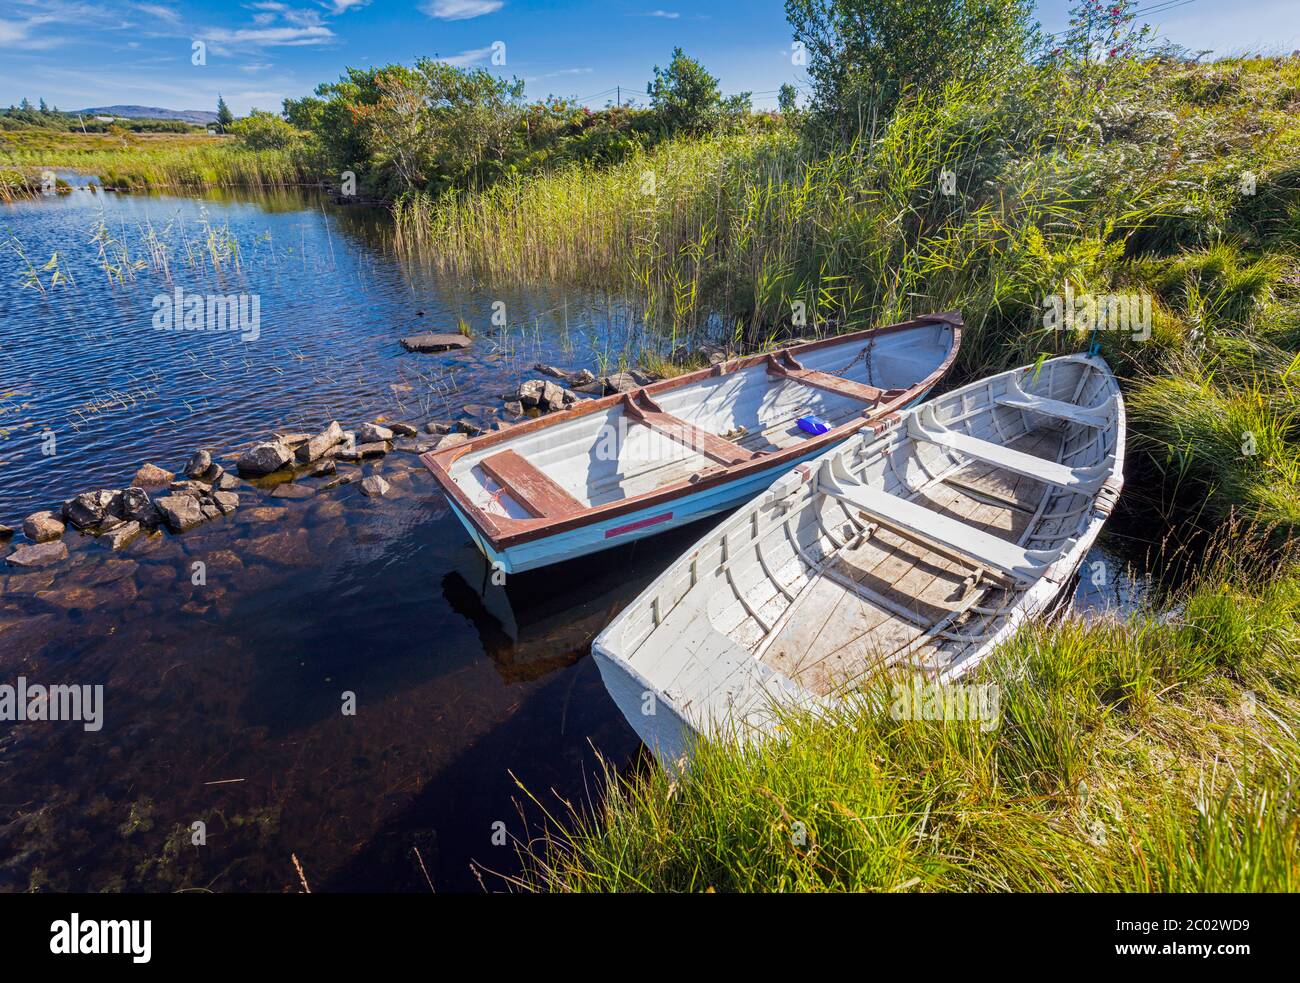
(78, 53)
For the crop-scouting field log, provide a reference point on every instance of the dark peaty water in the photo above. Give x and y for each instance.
(224, 698)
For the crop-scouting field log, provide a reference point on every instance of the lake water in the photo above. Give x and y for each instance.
(223, 700)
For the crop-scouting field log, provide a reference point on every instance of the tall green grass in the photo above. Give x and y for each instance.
(1147, 755)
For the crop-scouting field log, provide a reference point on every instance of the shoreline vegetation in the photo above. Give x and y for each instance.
(1094, 170)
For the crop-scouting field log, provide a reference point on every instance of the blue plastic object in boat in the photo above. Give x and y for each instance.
(813, 424)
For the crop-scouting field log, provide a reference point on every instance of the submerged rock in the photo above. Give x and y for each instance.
(151, 476)
(374, 486)
(265, 458)
(326, 467)
(343, 479)
(290, 490)
(434, 342)
(41, 527)
(226, 483)
(38, 555)
(121, 536)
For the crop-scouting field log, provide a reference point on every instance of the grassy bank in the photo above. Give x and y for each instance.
(1158, 754)
(143, 161)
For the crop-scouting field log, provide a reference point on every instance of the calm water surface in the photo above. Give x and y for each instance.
(224, 700)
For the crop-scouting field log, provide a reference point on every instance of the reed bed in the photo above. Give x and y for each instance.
(140, 163)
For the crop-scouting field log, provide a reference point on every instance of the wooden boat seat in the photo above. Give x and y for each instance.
(542, 497)
(1088, 416)
(934, 528)
(784, 365)
(640, 407)
(923, 426)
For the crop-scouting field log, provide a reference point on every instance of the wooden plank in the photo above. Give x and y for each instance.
(1058, 409)
(712, 446)
(528, 486)
(1003, 457)
(788, 368)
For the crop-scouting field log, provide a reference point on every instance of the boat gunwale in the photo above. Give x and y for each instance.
(504, 532)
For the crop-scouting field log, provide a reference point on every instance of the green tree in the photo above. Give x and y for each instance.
(863, 55)
(224, 116)
(787, 99)
(45, 110)
(261, 130)
(685, 96)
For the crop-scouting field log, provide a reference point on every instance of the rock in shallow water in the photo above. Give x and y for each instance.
(227, 502)
(41, 527)
(38, 555)
(198, 464)
(151, 476)
(374, 486)
(137, 507)
(121, 536)
(435, 342)
(92, 508)
(181, 512)
(315, 448)
(371, 433)
(265, 458)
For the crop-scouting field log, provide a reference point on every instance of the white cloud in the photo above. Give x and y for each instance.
(460, 9)
(269, 36)
(670, 14)
(343, 6)
(472, 57)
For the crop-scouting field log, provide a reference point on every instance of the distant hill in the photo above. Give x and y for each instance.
(199, 116)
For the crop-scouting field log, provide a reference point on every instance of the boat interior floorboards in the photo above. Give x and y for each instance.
(882, 594)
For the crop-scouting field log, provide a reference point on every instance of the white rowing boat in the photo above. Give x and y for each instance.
(918, 548)
(609, 471)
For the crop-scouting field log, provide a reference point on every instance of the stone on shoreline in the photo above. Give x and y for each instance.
(323, 468)
(316, 447)
(226, 483)
(265, 458)
(375, 449)
(181, 512)
(5, 533)
(435, 342)
(437, 427)
(374, 486)
(403, 429)
(195, 488)
(41, 527)
(151, 476)
(38, 555)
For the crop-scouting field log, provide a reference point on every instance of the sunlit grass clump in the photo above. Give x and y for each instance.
(1152, 754)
